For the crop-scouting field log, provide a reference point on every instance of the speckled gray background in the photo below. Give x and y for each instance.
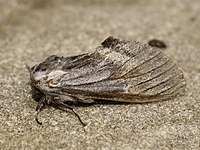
(32, 30)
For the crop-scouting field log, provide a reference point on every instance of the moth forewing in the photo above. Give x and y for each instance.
(116, 71)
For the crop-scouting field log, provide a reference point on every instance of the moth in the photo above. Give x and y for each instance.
(118, 70)
(157, 43)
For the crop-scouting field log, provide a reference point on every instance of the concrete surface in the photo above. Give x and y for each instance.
(31, 30)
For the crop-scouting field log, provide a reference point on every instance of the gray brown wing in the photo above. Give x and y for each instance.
(124, 71)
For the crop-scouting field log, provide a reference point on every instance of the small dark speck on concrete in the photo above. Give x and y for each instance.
(157, 43)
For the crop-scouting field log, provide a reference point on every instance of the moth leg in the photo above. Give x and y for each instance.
(40, 106)
(62, 106)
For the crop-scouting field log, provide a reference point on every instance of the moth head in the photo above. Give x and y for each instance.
(36, 93)
(39, 71)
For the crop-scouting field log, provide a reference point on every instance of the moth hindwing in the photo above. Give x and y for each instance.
(124, 71)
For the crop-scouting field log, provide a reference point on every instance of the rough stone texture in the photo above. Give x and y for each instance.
(31, 30)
